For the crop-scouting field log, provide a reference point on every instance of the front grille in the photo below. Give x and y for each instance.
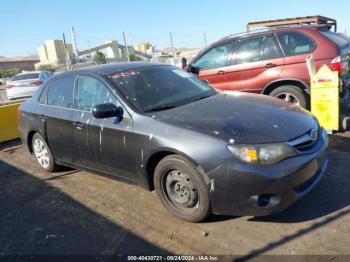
(306, 141)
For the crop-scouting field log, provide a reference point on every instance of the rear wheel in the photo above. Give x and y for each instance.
(291, 94)
(181, 187)
(43, 154)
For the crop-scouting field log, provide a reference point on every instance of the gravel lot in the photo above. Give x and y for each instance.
(75, 212)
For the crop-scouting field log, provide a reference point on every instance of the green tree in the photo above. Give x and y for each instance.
(4, 73)
(99, 58)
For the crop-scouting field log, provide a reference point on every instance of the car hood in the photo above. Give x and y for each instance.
(245, 118)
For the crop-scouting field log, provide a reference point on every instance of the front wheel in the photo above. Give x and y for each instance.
(291, 94)
(181, 187)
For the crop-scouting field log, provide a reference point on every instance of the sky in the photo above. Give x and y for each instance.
(25, 25)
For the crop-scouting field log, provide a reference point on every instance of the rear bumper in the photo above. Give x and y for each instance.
(242, 189)
(23, 92)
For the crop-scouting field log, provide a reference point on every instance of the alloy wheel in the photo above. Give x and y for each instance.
(289, 97)
(41, 153)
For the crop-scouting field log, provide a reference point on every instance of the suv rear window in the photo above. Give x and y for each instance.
(294, 43)
(25, 76)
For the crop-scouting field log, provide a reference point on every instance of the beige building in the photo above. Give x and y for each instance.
(143, 46)
(52, 53)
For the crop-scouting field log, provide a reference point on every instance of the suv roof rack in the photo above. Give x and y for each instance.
(296, 21)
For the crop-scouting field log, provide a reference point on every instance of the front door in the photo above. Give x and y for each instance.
(102, 142)
(212, 65)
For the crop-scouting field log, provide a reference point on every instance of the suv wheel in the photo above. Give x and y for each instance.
(43, 154)
(291, 94)
(181, 188)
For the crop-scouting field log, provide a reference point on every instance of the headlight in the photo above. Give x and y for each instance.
(265, 154)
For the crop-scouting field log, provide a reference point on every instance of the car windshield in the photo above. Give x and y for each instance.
(25, 76)
(158, 88)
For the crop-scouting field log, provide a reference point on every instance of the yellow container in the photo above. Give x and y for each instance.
(8, 122)
(325, 98)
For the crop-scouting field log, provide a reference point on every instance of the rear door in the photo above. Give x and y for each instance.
(296, 47)
(58, 118)
(212, 65)
(256, 62)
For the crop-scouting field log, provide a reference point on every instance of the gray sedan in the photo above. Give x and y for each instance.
(156, 126)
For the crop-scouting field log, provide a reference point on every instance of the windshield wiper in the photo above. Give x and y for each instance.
(159, 108)
(202, 97)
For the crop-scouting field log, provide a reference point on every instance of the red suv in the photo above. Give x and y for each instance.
(273, 62)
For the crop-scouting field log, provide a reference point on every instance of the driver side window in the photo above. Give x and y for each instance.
(214, 58)
(91, 92)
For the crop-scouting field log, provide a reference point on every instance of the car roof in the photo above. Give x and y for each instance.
(107, 69)
(265, 31)
(262, 32)
(29, 72)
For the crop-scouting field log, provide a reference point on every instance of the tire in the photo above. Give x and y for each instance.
(181, 187)
(42, 154)
(292, 94)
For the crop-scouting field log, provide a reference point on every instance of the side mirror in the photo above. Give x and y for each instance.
(107, 110)
(189, 68)
(192, 69)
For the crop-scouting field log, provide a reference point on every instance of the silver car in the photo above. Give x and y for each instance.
(25, 84)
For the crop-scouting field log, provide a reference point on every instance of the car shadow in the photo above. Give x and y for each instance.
(330, 195)
(39, 219)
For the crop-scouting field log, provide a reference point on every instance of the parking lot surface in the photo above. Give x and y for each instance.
(75, 212)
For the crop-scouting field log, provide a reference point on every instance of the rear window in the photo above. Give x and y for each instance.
(25, 76)
(295, 43)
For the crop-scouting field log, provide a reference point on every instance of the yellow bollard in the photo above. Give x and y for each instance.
(8, 122)
(325, 98)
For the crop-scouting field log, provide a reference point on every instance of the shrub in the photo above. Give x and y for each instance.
(6, 73)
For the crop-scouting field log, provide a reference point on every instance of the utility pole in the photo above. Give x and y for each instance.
(89, 43)
(65, 52)
(205, 39)
(75, 49)
(172, 48)
(126, 47)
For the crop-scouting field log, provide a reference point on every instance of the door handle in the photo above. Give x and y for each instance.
(269, 65)
(79, 125)
(221, 72)
(43, 118)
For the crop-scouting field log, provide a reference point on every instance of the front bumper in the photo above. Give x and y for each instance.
(243, 189)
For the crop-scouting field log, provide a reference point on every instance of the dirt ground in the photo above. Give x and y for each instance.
(75, 212)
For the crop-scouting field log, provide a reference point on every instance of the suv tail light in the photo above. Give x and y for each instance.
(37, 83)
(340, 65)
